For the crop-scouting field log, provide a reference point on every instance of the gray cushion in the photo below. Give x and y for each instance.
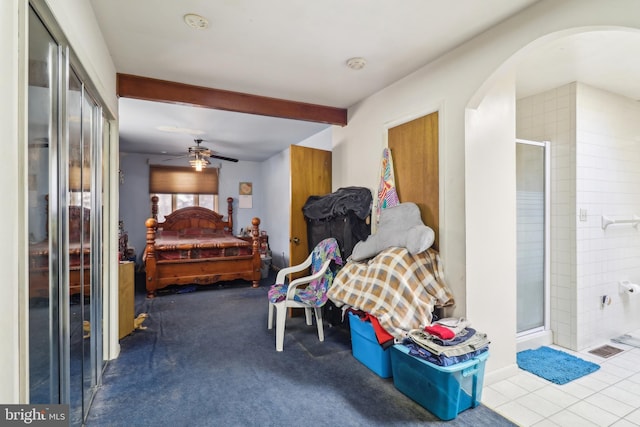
(399, 226)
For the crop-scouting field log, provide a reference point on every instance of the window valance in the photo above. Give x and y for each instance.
(182, 180)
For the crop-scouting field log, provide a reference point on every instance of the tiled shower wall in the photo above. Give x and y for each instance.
(595, 171)
(608, 183)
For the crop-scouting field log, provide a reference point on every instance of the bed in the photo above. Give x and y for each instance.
(195, 245)
(79, 257)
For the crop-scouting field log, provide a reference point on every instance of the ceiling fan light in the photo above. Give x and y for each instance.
(198, 163)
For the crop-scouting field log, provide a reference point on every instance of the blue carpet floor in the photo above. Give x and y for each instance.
(554, 365)
(208, 359)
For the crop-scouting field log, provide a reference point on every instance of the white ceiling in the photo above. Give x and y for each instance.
(609, 60)
(237, 135)
(297, 50)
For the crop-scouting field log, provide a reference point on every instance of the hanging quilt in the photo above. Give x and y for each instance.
(387, 195)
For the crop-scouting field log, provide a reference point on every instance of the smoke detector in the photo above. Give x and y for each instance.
(196, 21)
(356, 63)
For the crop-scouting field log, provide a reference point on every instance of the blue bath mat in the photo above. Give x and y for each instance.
(553, 365)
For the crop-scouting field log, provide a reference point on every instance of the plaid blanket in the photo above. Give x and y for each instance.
(399, 289)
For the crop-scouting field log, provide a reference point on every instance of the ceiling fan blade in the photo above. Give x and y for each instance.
(229, 159)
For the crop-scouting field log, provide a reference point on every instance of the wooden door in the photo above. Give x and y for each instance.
(310, 176)
(414, 150)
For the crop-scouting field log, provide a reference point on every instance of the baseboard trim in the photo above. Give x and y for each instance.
(500, 374)
(535, 340)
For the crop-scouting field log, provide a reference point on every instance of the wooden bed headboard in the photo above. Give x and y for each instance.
(194, 217)
(79, 221)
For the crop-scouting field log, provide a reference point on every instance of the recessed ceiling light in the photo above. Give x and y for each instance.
(196, 21)
(356, 63)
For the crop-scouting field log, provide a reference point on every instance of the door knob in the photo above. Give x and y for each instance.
(295, 240)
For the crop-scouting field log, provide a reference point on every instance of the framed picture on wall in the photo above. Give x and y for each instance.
(245, 198)
(246, 189)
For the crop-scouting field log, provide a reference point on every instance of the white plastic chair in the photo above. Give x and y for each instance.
(289, 302)
(314, 299)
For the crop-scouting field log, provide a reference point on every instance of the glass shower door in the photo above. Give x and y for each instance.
(532, 235)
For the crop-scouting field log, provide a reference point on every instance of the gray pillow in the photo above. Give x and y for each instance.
(399, 226)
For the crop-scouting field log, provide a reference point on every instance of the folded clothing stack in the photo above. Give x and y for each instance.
(446, 342)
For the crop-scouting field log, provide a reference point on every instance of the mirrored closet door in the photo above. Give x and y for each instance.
(65, 227)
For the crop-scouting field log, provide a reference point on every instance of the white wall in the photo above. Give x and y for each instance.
(275, 173)
(457, 81)
(491, 220)
(135, 205)
(13, 237)
(231, 175)
(321, 140)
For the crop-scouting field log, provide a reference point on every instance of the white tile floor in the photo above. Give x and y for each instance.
(608, 397)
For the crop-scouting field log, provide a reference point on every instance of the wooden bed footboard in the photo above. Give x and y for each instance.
(202, 271)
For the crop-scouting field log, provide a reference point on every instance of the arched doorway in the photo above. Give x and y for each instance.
(495, 119)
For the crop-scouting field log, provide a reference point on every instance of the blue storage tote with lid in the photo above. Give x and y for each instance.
(445, 391)
(365, 347)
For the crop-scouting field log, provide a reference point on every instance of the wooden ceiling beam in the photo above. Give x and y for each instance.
(145, 88)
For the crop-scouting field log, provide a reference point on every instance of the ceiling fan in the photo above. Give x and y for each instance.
(199, 156)
(203, 152)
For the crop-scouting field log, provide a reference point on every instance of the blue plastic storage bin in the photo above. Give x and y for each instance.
(365, 347)
(445, 391)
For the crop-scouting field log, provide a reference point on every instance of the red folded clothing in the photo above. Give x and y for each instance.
(440, 331)
(385, 339)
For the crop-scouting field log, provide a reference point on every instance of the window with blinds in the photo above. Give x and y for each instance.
(182, 180)
(179, 187)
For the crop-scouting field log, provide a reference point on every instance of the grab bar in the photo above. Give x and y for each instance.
(607, 221)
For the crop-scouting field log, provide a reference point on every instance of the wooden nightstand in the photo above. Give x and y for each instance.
(264, 242)
(126, 298)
